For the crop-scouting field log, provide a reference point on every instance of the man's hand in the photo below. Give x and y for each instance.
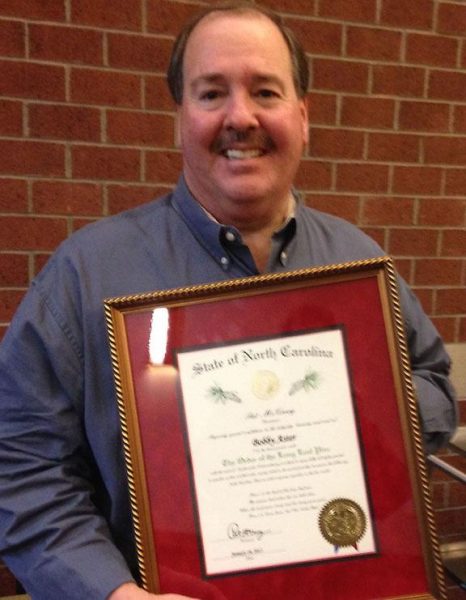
(130, 591)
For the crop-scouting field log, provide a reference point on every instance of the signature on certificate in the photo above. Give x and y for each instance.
(235, 532)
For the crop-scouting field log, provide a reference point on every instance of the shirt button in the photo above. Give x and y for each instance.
(230, 236)
(283, 258)
(225, 262)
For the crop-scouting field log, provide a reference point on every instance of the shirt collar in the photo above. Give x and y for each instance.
(219, 239)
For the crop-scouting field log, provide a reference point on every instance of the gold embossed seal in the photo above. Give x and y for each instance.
(265, 384)
(342, 522)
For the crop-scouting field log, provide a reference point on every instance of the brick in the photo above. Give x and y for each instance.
(31, 233)
(393, 147)
(362, 177)
(378, 234)
(163, 167)
(106, 163)
(304, 7)
(404, 267)
(124, 14)
(413, 242)
(408, 15)
(107, 88)
(445, 150)
(138, 52)
(318, 37)
(362, 11)
(63, 122)
(340, 76)
(455, 182)
(426, 298)
(314, 175)
(345, 207)
(438, 272)
(417, 180)
(373, 44)
(438, 491)
(39, 261)
(447, 85)
(364, 111)
(79, 223)
(124, 197)
(457, 494)
(13, 195)
(398, 80)
(29, 80)
(9, 301)
(11, 118)
(446, 326)
(67, 198)
(442, 211)
(388, 211)
(34, 9)
(459, 119)
(462, 331)
(140, 128)
(67, 44)
(12, 39)
(322, 109)
(156, 94)
(454, 242)
(450, 301)
(462, 411)
(32, 158)
(431, 50)
(451, 18)
(166, 17)
(424, 116)
(336, 143)
(14, 270)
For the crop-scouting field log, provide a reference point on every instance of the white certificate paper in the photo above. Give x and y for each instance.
(277, 468)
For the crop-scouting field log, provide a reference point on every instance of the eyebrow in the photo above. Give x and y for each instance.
(219, 78)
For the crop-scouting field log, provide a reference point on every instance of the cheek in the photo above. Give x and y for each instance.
(287, 129)
(197, 131)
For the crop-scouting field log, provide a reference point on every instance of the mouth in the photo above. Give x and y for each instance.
(235, 154)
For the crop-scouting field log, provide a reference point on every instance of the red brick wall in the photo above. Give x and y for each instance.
(86, 129)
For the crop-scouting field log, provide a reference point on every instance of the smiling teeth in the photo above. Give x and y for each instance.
(242, 154)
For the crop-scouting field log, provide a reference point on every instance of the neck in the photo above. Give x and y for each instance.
(258, 236)
(260, 245)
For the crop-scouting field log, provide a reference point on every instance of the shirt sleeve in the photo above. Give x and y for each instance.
(52, 536)
(430, 366)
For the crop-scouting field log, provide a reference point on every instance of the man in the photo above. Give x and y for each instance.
(239, 80)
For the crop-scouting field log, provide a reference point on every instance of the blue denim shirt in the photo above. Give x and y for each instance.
(65, 527)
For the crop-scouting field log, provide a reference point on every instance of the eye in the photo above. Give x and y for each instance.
(267, 93)
(209, 95)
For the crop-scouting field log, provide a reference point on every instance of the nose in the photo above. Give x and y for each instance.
(241, 113)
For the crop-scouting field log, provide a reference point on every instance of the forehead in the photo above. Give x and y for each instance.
(225, 41)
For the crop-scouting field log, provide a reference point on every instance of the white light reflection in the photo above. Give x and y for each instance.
(158, 339)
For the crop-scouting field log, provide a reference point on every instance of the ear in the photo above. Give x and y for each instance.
(305, 119)
(178, 127)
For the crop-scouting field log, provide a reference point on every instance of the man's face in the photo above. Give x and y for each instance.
(241, 124)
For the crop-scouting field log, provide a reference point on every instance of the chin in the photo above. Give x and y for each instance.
(248, 190)
(246, 195)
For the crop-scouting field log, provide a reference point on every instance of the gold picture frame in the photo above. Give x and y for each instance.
(374, 540)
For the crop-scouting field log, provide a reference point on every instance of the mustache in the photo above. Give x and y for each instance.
(254, 139)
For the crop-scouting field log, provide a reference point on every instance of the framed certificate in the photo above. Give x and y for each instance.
(272, 440)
